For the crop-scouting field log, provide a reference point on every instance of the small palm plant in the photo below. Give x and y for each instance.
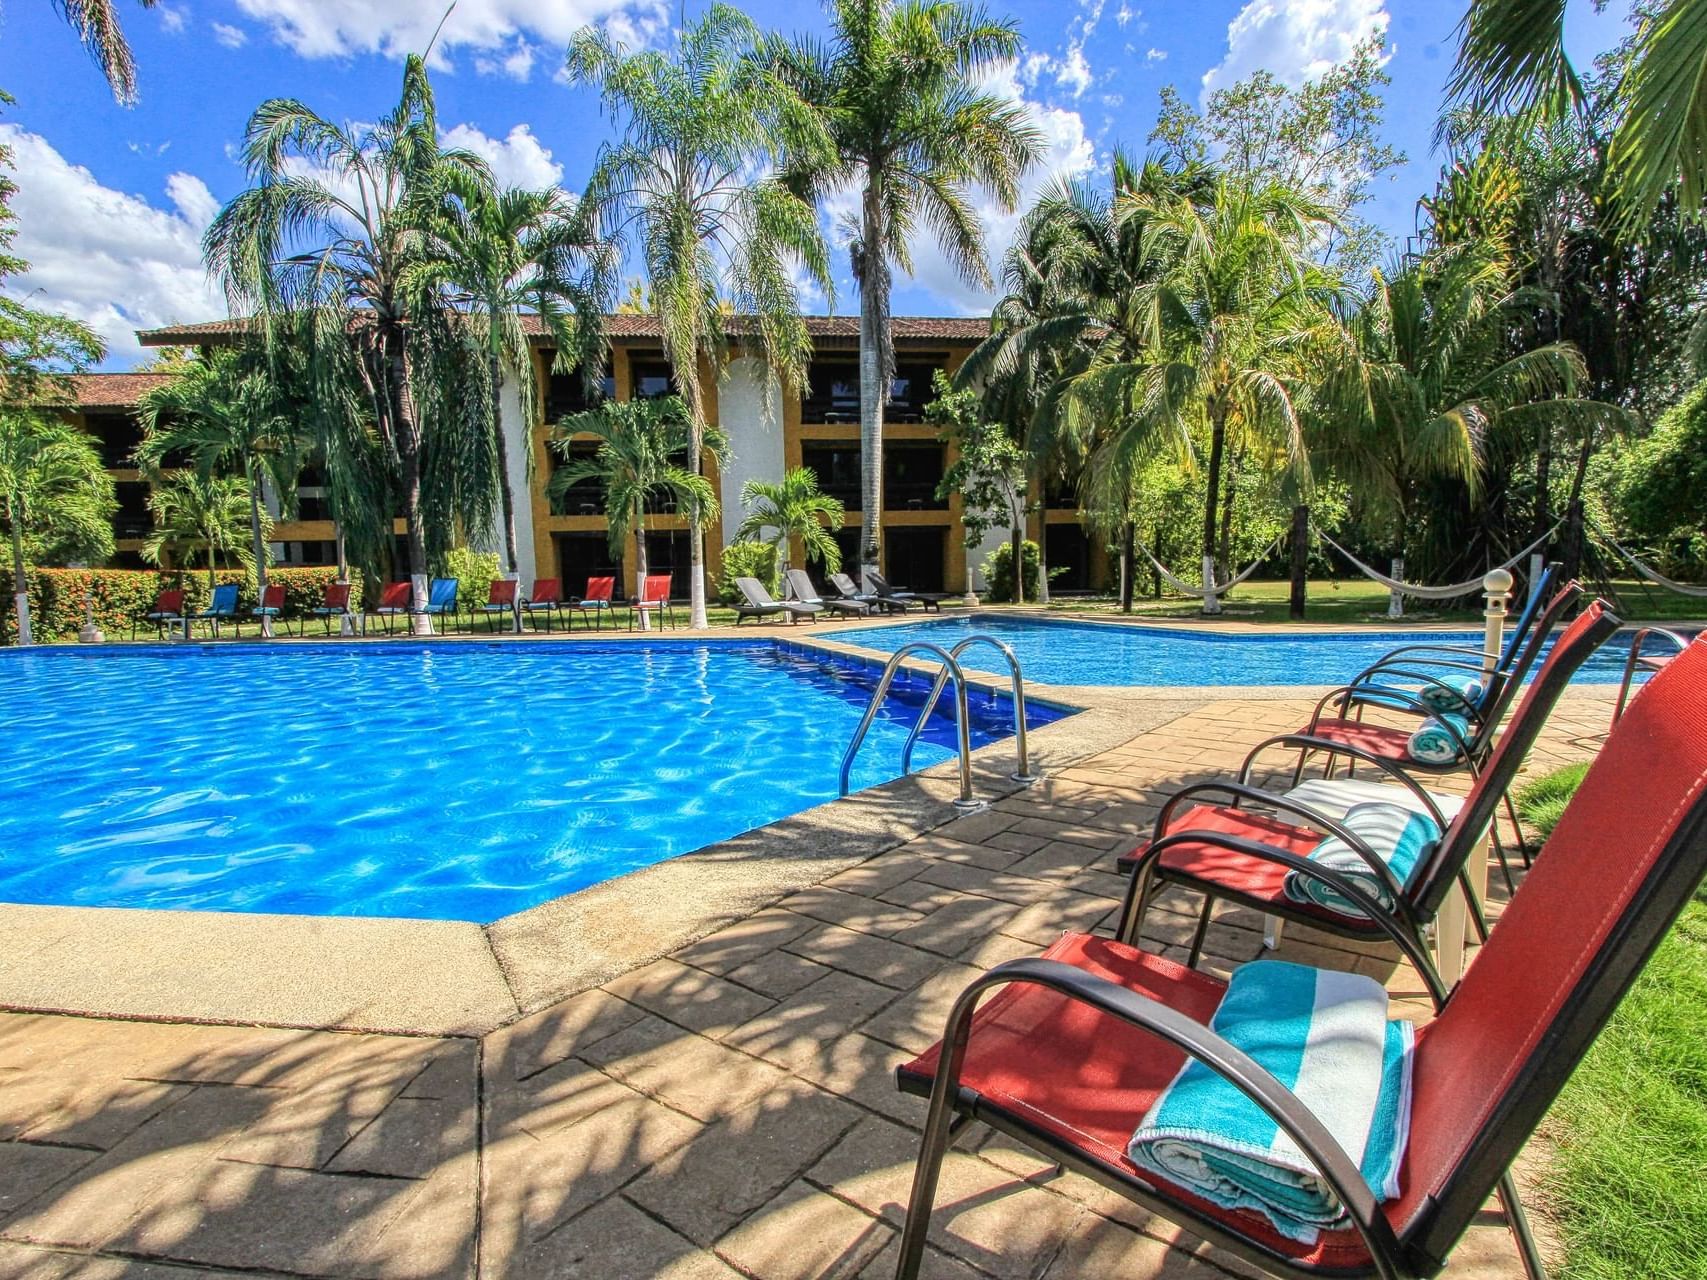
(780, 513)
(641, 447)
(202, 513)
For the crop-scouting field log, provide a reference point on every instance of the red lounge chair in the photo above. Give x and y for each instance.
(1243, 851)
(335, 604)
(1649, 662)
(654, 598)
(597, 602)
(394, 602)
(168, 609)
(500, 601)
(271, 606)
(547, 598)
(1073, 1048)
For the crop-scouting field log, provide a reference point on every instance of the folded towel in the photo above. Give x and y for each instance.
(1402, 838)
(1452, 691)
(1439, 740)
(1325, 1036)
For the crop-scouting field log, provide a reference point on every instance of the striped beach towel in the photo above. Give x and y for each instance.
(1439, 740)
(1325, 1036)
(1402, 837)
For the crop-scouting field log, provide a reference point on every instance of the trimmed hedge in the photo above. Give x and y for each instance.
(56, 596)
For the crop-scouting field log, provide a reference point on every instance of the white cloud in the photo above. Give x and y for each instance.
(172, 18)
(517, 63)
(1153, 56)
(1072, 72)
(517, 160)
(110, 259)
(229, 36)
(336, 28)
(1125, 14)
(1295, 40)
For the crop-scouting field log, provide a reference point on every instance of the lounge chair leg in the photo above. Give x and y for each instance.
(1505, 863)
(1517, 830)
(940, 1128)
(1473, 905)
(1134, 908)
(1527, 1249)
(1202, 932)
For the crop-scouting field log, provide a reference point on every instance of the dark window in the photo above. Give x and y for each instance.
(836, 465)
(847, 541)
(913, 558)
(312, 504)
(566, 393)
(667, 552)
(586, 497)
(650, 379)
(119, 434)
(122, 559)
(833, 393)
(910, 391)
(911, 473)
(310, 553)
(1060, 495)
(132, 520)
(1065, 546)
(587, 555)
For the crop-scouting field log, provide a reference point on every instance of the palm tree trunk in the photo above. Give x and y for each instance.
(640, 566)
(1128, 566)
(1573, 554)
(259, 552)
(20, 582)
(1016, 539)
(506, 495)
(696, 529)
(1217, 447)
(876, 368)
(407, 435)
(1300, 561)
(1229, 486)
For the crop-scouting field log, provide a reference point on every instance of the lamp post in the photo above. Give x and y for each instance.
(1497, 584)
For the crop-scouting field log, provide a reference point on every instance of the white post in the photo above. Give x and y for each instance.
(515, 602)
(1497, 584)
(1396, 599)
(22, 602)
(1210, 603)
(420, 588)
(1537, 564)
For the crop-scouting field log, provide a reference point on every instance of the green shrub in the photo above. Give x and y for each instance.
(999, 572)
(473, 571)
(747, 560)
(1541, 802)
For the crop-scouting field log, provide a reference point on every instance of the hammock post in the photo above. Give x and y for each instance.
(1497, 584)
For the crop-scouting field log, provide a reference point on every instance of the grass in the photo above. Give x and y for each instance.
(1631, 1126)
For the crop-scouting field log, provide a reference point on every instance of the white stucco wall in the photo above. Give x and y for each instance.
(755, 435)
(517, 445)
(975, 556)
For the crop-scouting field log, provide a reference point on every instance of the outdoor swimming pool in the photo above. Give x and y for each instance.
(1072, 653)
(457, 781)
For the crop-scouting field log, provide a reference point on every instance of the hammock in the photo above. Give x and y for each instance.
(1202, 593)
(1653, 575)
(1431, 593)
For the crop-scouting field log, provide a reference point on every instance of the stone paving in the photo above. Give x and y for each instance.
(729, 1110)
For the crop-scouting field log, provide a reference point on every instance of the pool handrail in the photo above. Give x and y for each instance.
(1023, 773)
(951, 668)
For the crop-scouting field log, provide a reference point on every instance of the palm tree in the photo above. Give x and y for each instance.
(637, 462)
(56, 498)
(513, 250)
(228, 408)
(1225, 315)
(364, 200)
(896, 89)
(96, 23)
(780, 513)
(1511, 60)
(207, 513)
(1430, 374)
(681, 179)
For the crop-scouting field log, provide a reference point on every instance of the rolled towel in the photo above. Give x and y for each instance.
(1402, 837)
(1439, 740)
(1452, 691)
(1325, 1036)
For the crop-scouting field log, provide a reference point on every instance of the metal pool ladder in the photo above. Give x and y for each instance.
(951, 671)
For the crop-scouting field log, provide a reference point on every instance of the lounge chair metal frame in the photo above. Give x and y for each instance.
(159, 616)
(643, 603)
(761, 604)
(263, 611)
(802, 591)
(335, 603)
(550, 603)
(1525, 1029)
(593, 608)
(502, 598)
(213, 615)
(1644, 661)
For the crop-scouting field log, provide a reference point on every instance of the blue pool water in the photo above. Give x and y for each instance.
(453, 781)
(1073, 653)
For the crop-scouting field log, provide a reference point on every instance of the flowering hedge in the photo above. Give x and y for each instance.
(121, 595)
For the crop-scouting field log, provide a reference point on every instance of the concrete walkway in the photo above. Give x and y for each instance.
(728, 1110)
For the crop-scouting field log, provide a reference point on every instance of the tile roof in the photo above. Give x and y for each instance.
(114, 390)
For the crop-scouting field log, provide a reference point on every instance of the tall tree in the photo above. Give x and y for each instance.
(779, 513)
(56, 498)
(514, 251)
(333, 234)
(230, 409)
(896, 89)
(201, 513)
(687, 179)
(638, 462)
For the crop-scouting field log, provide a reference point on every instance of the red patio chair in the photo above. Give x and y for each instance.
(500, 601)
(1075, 1046)
(168, 609)
(597, 602)
(654, 598)
(1641, 661)
(547, 598)
(271, 607)
(1242, 851)
(335, 604)
(395, 602)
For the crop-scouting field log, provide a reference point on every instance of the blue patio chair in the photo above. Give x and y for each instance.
(441, 599)
(222, 608)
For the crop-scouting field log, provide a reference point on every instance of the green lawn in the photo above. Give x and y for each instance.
(1630, 1129)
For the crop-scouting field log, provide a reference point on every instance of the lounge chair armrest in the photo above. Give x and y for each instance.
(1197, 1041)
(1467, 650)
(1347, 694)
(1305, 741)
(1406, 933)
(1238, 790)
(1418, 675)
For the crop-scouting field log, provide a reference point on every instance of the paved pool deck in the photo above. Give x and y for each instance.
(725, 1109)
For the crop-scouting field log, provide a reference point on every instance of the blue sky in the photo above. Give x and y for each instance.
(112, 200)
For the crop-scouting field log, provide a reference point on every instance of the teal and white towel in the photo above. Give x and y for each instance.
(1402, 837)
(1452, 691)
(1439, 740)
(1326, 1037)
